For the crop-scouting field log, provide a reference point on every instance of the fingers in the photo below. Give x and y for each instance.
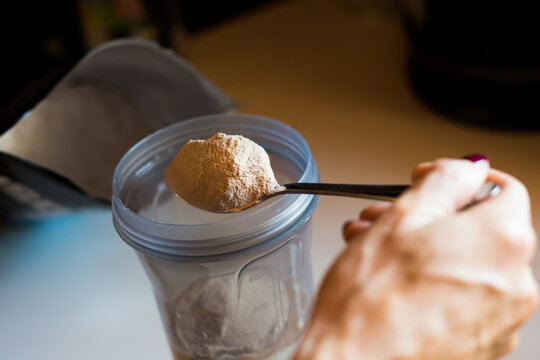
(421, 170)
(439, 189)
(488, 243)
(506, 217)
(512, 200)
(373, 212)
(354, 228)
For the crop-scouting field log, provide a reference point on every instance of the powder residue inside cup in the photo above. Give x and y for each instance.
(221, 173)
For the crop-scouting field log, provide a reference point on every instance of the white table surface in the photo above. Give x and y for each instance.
(71, 289)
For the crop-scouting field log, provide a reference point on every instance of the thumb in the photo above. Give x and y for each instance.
(443, 188)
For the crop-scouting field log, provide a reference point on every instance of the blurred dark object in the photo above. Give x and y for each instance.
(104, 20)
(62, 155)
(198, 15)
(26, 188)
(478, 61)
(41, 43)
(45, 61)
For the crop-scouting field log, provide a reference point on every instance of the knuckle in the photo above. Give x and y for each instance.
(518, 239)
(519, 191)
(399, 212)
(526, 242)
(446, 169)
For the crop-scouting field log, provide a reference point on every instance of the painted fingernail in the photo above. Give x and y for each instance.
(475, 157)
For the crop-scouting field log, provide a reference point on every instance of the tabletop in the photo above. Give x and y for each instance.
(335, 75)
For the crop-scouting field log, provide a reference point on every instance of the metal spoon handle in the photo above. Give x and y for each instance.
(377, 192)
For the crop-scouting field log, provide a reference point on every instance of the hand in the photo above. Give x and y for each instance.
(424, 278)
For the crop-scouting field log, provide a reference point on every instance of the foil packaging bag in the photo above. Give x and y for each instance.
(61, 154)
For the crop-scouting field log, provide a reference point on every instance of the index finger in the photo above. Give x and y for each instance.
(446, 187)
(512, 200)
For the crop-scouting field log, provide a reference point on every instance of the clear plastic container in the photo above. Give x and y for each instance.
(228, 286)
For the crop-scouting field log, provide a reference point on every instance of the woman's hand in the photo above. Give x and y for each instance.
(428, 277)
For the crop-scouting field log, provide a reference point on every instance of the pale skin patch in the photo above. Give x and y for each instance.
(424, 279)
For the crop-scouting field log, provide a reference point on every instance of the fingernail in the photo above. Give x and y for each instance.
(475, 157)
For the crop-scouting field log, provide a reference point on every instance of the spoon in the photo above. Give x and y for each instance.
(375, 192)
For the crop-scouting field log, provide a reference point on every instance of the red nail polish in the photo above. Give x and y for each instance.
(475, 157)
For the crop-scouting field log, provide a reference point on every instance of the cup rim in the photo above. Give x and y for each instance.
(175, 240)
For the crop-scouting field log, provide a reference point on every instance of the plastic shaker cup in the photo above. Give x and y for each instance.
(228, 286)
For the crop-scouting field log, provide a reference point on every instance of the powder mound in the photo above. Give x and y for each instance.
(220, 173)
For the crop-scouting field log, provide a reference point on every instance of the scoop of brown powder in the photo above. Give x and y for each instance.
(221, 173)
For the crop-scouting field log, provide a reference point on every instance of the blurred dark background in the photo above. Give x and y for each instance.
(43, 40)
(476, 61)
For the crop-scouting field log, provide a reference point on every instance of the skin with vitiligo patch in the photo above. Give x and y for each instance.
(422, 279)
